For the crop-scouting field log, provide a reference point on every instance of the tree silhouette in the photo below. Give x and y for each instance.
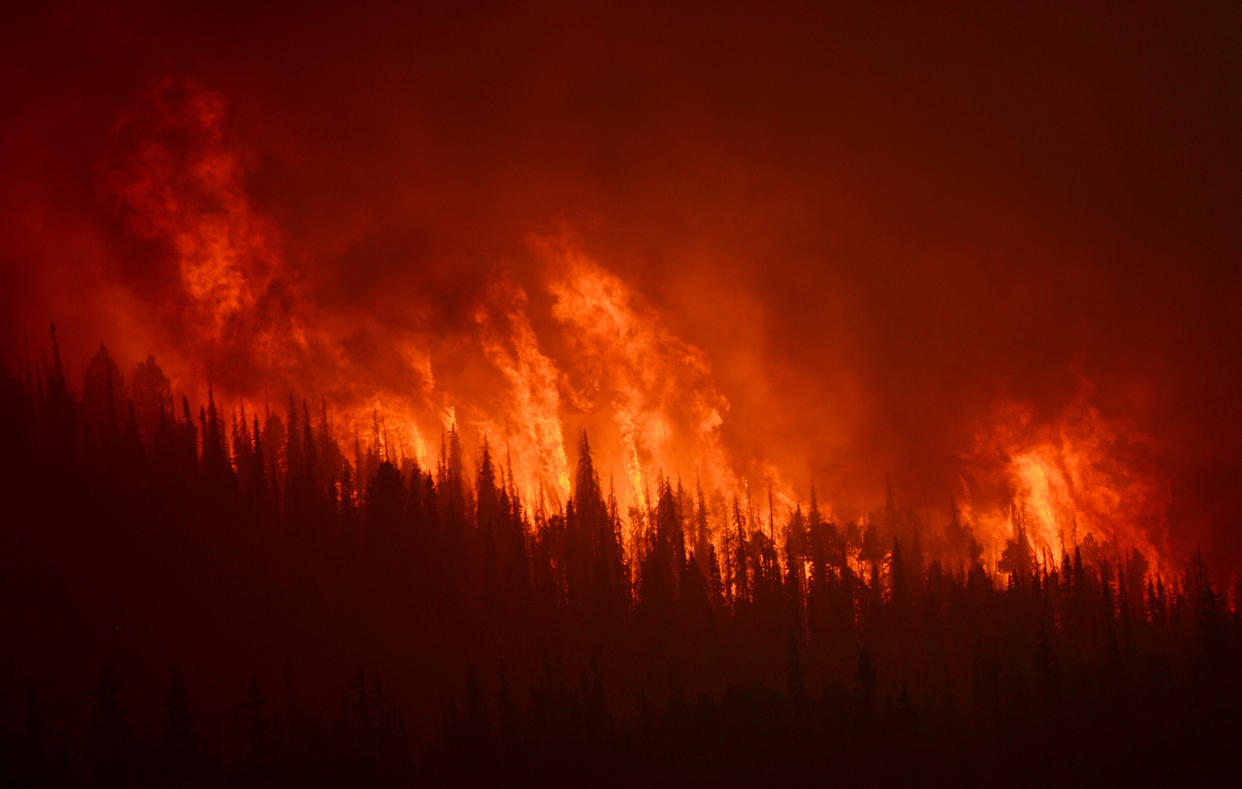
(228, 538)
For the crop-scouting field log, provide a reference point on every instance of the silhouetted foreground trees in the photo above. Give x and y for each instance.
(188, 596)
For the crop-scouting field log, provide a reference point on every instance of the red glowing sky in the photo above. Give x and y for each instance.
(875, 225)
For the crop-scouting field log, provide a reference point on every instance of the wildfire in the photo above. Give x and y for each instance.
(192, 197)
(521, 373)
(664, 403)
(243, 308)
(1070, 486)
(532, 427)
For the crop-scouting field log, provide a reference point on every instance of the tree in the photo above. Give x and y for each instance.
(109, 737)
(103, 398)
(1018, 558)
(151, 393)
(179, 753)
(385, 500)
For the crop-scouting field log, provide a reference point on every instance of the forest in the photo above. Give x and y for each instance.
(196, 596)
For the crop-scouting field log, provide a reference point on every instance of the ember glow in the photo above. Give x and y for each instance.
(629, 309)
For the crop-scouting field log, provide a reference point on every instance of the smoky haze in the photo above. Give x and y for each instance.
(874, 226)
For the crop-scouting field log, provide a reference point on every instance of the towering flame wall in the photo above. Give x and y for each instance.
(535, 355)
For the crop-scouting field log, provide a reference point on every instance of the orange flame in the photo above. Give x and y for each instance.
(1071, 486)
(602, 358)
(532, 427)
(193, 198)
(664, 402)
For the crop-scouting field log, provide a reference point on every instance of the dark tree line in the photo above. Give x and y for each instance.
(188, 595)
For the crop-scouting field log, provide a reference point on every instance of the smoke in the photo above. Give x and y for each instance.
(820, 248)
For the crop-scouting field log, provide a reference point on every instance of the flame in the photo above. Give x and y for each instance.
(532, 428)
(1074, 480)
(574, 346)
(241, 303)
(664, 401)
(192, 197)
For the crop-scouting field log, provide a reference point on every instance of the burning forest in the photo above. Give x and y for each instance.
(420, 396)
